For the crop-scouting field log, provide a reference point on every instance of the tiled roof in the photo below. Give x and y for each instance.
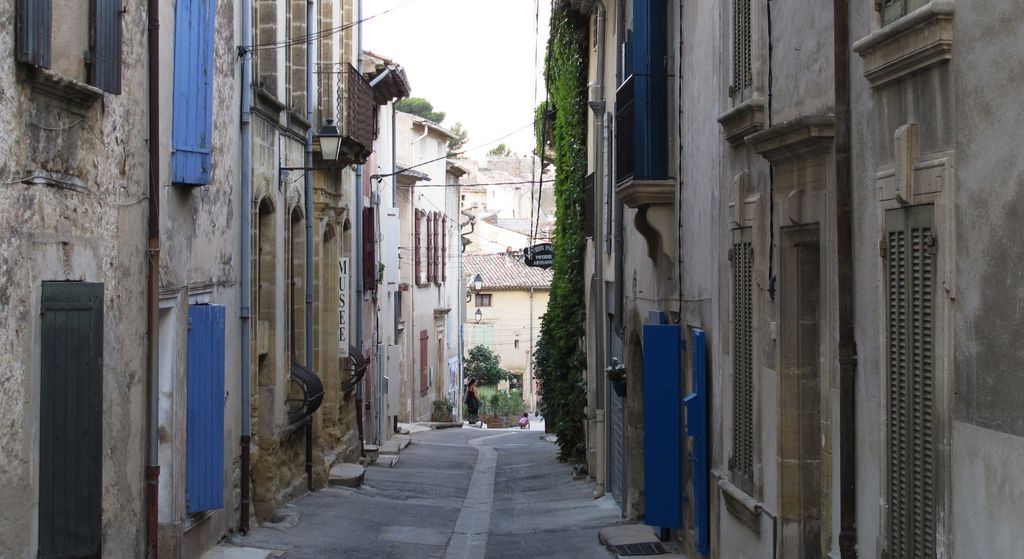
(504, 271)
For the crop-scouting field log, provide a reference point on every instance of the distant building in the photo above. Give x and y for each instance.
(505, 314)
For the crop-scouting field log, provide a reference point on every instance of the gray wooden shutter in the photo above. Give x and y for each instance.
(910, 282)
(741, 46)
(742, 461)
(70, 420)
(33, 32)
(105, 35)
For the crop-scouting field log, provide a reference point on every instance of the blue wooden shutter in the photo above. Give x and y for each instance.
(663, 420)
(204, 447)
(697, 427)
(193, 92)
(650, 55)
(105, 36)
(33, 32)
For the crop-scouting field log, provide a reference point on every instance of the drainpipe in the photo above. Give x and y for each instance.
(844, 257)
(153, 284)
(310, 30)
(357, 269)
(246, 264)
(597, 106)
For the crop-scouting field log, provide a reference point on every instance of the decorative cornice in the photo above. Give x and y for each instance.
(636, 193)
(742, 120)
(795, 139)
(76, 96)
(919, 40)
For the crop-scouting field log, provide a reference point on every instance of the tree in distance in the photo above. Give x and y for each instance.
(485, 366)
(500, 150)
(461, 136)
(420, 107)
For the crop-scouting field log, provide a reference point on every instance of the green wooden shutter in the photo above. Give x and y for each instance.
(71, 420)
(742, 257)
(910, 284)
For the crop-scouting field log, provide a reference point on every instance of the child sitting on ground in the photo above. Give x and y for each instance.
(524, 422)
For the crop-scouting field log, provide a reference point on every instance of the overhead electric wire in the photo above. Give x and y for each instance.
(301, 40)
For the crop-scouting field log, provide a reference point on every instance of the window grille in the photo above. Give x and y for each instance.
(742, 462)
(910, 275)
(742, 36)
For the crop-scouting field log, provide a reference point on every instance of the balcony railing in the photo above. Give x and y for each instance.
(625, 144)
(358, 125)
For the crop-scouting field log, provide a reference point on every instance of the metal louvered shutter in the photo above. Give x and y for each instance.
(741, 46)
(742, 461)
(910, 273)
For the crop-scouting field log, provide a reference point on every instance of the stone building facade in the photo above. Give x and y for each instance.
(826, 228)
(73, 206)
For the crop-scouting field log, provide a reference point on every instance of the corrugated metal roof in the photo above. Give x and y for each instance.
(504, 271)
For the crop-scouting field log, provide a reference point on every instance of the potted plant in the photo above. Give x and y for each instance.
(616, 373)
(442, 411)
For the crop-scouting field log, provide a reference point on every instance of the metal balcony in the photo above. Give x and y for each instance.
(359, 123)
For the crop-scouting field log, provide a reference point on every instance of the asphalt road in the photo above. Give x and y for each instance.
(455, 493)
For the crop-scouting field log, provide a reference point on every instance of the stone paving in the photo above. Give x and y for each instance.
(490, 493)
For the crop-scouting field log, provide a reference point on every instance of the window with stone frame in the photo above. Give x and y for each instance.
(742, 49)
(741, 461)
(895, 9)
(85, 47)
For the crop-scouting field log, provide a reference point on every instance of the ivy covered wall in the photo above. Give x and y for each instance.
(561, 362)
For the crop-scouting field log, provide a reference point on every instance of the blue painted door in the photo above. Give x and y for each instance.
(663, 438)
(697, 427)
(204, 430)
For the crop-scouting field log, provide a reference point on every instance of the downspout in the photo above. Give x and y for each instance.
(310, 30)
(597, 106)
(246, 264)
(153, 284)
(844, 258)
(357, 270)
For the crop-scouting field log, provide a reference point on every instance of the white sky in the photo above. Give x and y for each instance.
(473, 59)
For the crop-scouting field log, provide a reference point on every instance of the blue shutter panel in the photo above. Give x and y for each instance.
(193, 92)
(105, 68)
(663, 420)
(204, 430)
(697, 427)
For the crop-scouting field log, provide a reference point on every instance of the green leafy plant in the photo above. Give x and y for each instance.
(561, 363)
(616, 371)
(485, 366)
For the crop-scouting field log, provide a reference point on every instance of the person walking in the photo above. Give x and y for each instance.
(472, 401)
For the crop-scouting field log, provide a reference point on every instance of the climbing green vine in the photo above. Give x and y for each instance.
(560, 360)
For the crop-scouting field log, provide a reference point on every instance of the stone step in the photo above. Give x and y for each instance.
(370, 451)
(346, 475)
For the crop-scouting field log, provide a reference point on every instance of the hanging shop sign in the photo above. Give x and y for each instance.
(539, 256)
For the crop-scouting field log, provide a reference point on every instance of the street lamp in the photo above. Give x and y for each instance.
(478, 315)
(330, 141)
(478, 283)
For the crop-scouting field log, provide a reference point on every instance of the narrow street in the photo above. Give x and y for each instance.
(453, 493)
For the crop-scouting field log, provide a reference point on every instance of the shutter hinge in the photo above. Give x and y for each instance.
(932, 244)
(732, 254)
(883, 249)
(190, 324)
(732, 90)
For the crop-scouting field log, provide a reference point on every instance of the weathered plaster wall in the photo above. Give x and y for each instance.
(988, 432)
(201, 236)
(96, 234)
